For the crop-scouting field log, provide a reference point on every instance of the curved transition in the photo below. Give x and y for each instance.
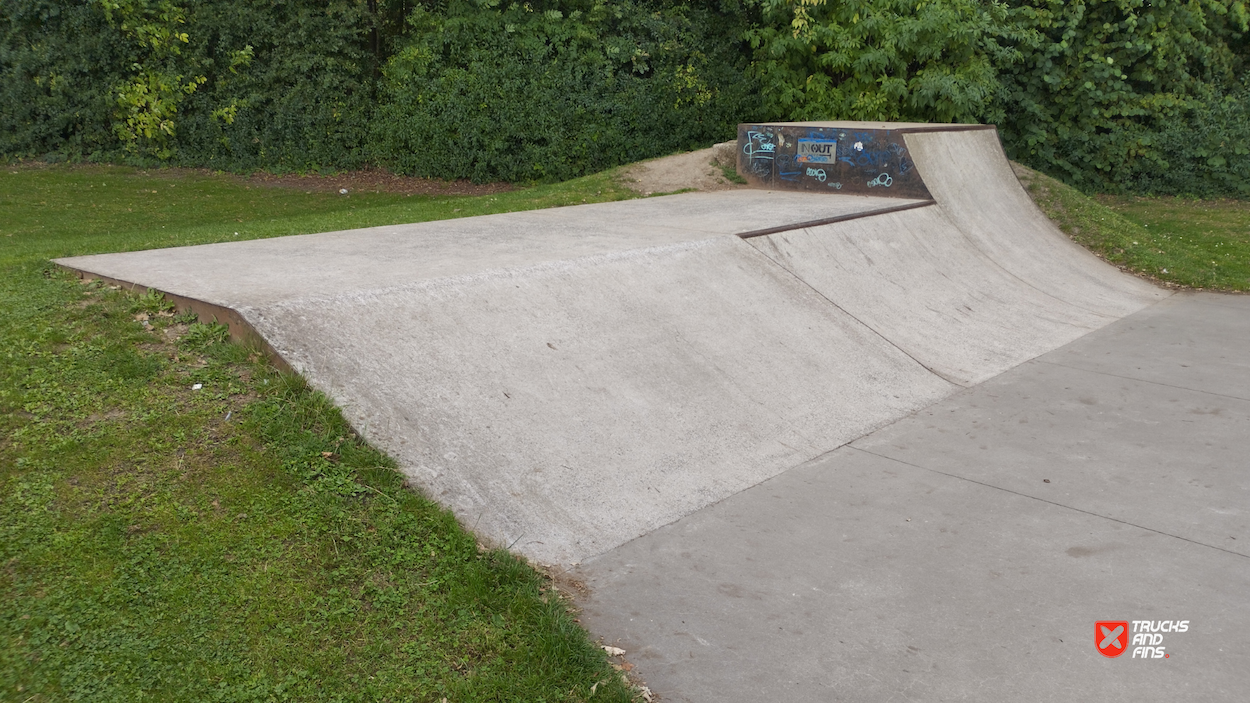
(567, 380)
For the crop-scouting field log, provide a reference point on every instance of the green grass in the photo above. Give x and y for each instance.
(237, 542)
(730, 172)
(1179, 242)
(62, 211)
(1207, 241)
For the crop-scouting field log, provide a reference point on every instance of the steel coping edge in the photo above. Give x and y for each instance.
(836, 218)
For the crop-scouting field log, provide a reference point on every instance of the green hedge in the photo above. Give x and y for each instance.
(482, 90)
(891, 60)
(1127, 95)
(57, 60)
(517, 93)
(303, 100)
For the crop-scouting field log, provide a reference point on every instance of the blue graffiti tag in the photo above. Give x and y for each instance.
(904, 163)
(817, 173)
(786, 170)
(862, 151)
(881, 180)
(835, 185)
(759, 146)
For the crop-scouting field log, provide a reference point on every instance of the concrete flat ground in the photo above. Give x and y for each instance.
(966, 551)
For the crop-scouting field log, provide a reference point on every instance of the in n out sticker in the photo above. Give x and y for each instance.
(817, 151)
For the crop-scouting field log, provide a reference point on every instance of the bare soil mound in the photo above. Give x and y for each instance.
(703, 170)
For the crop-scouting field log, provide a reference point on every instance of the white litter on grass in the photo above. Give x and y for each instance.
(613, 651)
(197, 386)
(343, 191)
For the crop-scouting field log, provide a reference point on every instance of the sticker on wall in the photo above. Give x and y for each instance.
(817, 151)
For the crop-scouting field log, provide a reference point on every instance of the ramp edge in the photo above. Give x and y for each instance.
(240, 329)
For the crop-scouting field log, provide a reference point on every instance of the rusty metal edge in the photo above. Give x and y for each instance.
(836, 218)
(945, 128)
(240, 329)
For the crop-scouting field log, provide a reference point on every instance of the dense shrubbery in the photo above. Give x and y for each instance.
(1108, 94)
(58, 61)
(519, 93)
(1112, 94)
(465, 88)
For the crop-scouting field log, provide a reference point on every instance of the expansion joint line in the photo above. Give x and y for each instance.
(1050, 502)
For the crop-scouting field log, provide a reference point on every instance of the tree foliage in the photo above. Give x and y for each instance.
(1115, 93)
(879, 59)
(148, 99)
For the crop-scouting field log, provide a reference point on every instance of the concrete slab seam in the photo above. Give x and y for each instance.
(1050, 502)
(1215, 304)
(1141, 380)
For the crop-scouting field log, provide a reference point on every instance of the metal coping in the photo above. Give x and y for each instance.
(836, 218)
(945, 128)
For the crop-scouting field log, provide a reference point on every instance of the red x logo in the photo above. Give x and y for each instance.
(1111, 637)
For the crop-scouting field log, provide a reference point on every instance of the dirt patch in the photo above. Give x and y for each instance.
(376, 181)
(371, 180)
(703, 170)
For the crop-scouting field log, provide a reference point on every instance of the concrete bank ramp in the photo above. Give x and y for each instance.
(567, 380)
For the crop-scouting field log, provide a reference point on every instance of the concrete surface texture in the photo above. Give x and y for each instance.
(567, 380)
(259, 272)
(965, 553)
(567, 407)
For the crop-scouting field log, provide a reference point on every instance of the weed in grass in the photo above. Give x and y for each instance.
(152, 302)
(730, 173)
(238, 542)
(200, 335)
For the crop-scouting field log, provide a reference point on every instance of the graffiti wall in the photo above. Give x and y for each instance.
(828, 159)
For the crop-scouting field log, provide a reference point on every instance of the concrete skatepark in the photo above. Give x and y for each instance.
(855, 444)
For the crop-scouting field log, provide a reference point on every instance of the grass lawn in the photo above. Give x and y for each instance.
(1178, 242)
(234, 542)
